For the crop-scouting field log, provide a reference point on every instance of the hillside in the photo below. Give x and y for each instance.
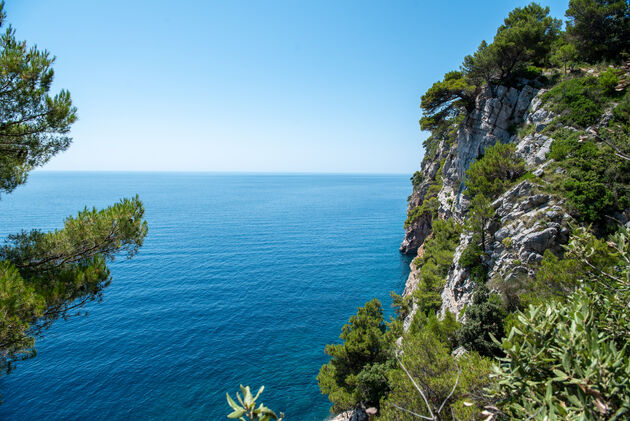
(517, 302)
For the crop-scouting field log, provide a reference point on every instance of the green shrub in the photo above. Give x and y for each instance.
(608, 81)
(471, 255)
(568, 358)
(431, 365)
(435, 263)
(430, 203)
(495, 172)
(484, 319)
(561, 365)
(352, 375)
(472, 259)
(596, 182)
(416, 179)
(444, 330)
(577, 100)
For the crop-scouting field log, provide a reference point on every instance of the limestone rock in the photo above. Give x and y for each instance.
(353, 415)
(528, 220)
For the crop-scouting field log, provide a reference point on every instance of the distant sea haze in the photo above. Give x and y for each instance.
(243, 279)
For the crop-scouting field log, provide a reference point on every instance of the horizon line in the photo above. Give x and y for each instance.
(38, 170)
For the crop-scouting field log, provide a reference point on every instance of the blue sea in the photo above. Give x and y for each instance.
(243, 279)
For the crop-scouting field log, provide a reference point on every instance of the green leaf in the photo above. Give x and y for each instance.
(231, 402)
(247, 396)
(237, 413)
(259, 392)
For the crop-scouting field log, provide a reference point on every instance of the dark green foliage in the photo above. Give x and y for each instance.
(444, 330)
(495, 172)
(600, 29)
(523, 40)
(435, 263)
(51, 274)
(445, 100)
(47, 276)
(596, 182)
(621, 113)
(416, 179)
(435, 371)
(472, 259)
(480, 213)
(356, 371)
(484, 317)
(34, 126)
(578, 101)
(429, 206)
(568, 358)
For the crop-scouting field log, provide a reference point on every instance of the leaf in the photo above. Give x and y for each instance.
(259, 392)
(231, 402)
(560, 375)
(248, 399)
(237, 413)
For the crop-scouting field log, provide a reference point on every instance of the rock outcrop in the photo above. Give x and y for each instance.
(493, 120)
(527, 220)
(526, 224)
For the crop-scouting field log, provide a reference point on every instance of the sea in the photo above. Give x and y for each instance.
(242, 279)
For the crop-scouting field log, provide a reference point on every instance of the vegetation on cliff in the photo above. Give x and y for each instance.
(547, 346)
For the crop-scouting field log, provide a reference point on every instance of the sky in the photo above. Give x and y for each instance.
(252, 86)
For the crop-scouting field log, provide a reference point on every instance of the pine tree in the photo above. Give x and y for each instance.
(45, 276)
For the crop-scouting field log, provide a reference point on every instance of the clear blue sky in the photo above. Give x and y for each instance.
(278, 86)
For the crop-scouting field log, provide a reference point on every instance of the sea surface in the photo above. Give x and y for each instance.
(243, 279)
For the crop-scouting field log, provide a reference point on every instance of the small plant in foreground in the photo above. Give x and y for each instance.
(247, 407)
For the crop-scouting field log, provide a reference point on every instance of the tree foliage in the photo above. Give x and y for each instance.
(524, 39)
(45, 276)
(449, 385)
(600, 29)
(495, 171)
(568, 358)
(483, 321)
(34, 125)
(357, 367)
(445, 100)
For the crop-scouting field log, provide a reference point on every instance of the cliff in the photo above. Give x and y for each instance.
(527, 220)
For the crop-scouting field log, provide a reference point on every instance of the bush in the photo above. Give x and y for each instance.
(484, 319)
(472, 259)
(495, 172)
(561, 365)
(430, 203)
(568, 358)
(435, 263)
(578, 101)
(432, 367)
(608, 81)
(596, 183)
(352, 375)
(443, 330)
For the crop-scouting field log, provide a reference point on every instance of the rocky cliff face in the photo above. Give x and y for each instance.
(527, 221)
